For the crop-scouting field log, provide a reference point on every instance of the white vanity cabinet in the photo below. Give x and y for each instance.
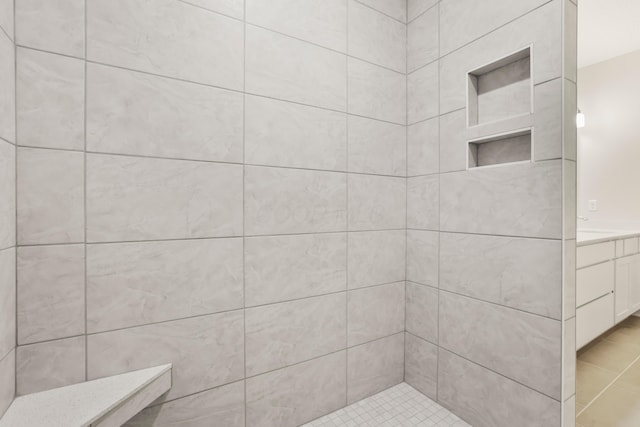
(607, 285)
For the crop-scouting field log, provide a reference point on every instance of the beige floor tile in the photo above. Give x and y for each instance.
(619, 406)
(590, 380)
(610, 355)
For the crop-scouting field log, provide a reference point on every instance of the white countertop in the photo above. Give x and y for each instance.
(591, 236)
(78, 404)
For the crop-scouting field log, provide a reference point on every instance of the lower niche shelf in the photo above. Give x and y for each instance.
(510, 148)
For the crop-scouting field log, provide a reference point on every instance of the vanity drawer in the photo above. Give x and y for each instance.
(594, 282)
(593, 254)
(593, 319)
(630, 246)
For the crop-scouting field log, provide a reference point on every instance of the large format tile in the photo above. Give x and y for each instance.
(280, 268)
(612, 355)
(422, 93)
(396, 9)
(131, 284)
(7, 301)
(50, 103)
(375, 312)
(377, 38)
(376, 257)
(421, 365)
(52, 25)
(548, 120)
(546, 49)
(234, 8)
(520, 273)
(376, 92)
(376, 202)
(467, 20)
(167, 37)
(422, 311)
(7, 195)
(137, 113)
(292, 396)
(423, 202)
(422, 257)
(51, 292)
(280, 335)
(279, 133)
(282, 67)
(569, 358)
(569, 279)
(279, 201)
(322, 22)
(50, 196)
(618, 406)
(7, 25)
(464, 388)
(416, 8)
(7, 88)
(7, 380)
(374, 366)
(377, 147)
(454, 151)
(222, 406)
(132, 198)
(50, 364)
(423, 39)
(521, 346)
(519, 200)
(205, 351)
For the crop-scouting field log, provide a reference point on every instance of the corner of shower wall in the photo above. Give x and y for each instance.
(490, 184)
(7, 206)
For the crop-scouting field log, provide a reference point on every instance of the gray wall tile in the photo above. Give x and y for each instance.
(518, 200)
(7, 380)
(6, 23)
(423, 141)
(292, 396)
(569, 279)
(569, 359)
(222, 406)
(375, 312)
(233, 8)
(7, 194)
(454, 150)
(131, 284)
(397, 9)
(422, 257)
(280, 335)
(50, 103)
(283, 67)
(417, 7)
(374, 367)
(520, 273)
(50, 364)
(376, 257)
(51, 292)
(376, 202)
(7, 88)
(7, 301)
(50, 196)
(131, 198)
(138, 113)
(547, 135)
(423, 202)
(377, 38)
(376, 92)
(421, 365)
(294, 201)
(500, 339)
(377, 147)
(279, 133)
(167, 37)
(322, 22)
(463, 387)
(423, 39)
(422, 93)
(422, 311)
(205, 351)
(52, 25)
(280, 268)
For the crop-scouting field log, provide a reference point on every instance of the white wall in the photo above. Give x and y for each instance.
(609, 144)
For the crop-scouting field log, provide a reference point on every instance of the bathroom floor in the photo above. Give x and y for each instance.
(397, 406)
(608, 379)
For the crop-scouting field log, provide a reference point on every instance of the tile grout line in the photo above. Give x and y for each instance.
(244, 178)
(15, 197)
(86, 313)
(406, 182)
(348, 167)
(439, 210)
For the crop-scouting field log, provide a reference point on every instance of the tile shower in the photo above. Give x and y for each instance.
(279, 198)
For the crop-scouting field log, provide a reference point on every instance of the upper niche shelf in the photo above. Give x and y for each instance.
(501, 89)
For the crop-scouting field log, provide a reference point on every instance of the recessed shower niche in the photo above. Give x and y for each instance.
(501, 89)
(507, 148)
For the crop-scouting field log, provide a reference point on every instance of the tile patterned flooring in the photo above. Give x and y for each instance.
(608, 378)
(398, 406)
